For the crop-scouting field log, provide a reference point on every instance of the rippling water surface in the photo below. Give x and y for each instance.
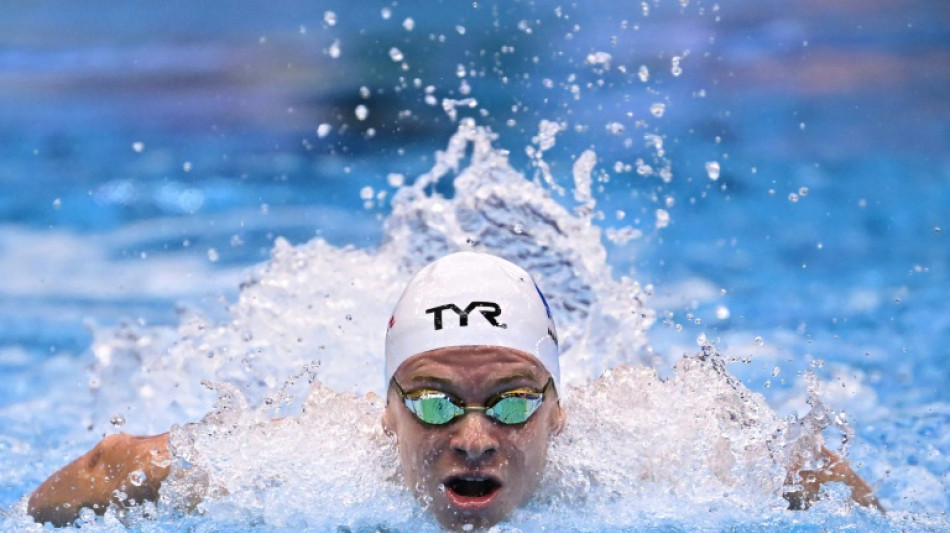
(208, 210)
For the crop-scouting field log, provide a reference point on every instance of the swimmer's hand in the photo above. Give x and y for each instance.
(833, 469)
(122, 470)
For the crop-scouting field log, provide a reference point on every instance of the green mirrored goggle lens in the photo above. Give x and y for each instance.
(437, 408)
(434, 408)
(514, 409)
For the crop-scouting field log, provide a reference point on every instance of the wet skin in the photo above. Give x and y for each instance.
(473, 470)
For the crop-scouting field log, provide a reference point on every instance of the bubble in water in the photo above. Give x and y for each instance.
(137, 477)
(138, 146)
(117, 420)
(662, 218)
(615, 128)
(323, 130)
(643, 73)
(57, 204)
(712, 170)
(937, 229)
(518, 229)
(186, 166)
(408, 24)
(793, 197)
(366, 193)
(330, 18)
(658, 109)
(722, 312)
(385, 13)
(213, 255)
(759, 340)
(361, 112)
(776, 371)
(803, 191)
(395, 54)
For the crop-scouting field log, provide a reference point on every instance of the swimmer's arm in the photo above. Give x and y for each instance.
(834, 469)
(96, 479)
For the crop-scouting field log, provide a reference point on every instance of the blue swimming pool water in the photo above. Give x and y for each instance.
(151, 154)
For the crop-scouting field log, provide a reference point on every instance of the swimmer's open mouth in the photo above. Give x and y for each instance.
(472, 486)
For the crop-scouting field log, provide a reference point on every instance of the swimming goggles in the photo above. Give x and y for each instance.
(438, 408)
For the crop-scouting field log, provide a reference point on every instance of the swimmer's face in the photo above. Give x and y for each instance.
(473, 470)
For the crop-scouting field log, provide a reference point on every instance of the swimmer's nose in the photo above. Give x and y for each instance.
(474, 438)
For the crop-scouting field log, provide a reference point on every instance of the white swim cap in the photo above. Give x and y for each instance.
(472, 299)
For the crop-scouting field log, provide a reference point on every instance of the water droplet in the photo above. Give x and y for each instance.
(518, 229)
(408, 24)
(57, 204)
(675, 67)
(366, 193)
(713, 170)
(395, 54)
(759, 340)
(323, 130)
(186, 166)
(361, 112)
(213, 255)
(793, 197)
(385, 13)
(138, 146)
(117, 420)
(330, 18)
(137, 477)
(615, 128)
(662, 218)
(334, 50)
(702, 340)
(803, 191)
(776, 371)
(395, 180)
(722, 312)
(643, 73)
(658, 109)
(937, 229)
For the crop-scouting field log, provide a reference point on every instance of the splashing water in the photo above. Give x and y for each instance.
(308, 324)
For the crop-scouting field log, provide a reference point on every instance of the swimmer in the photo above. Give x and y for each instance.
(471, 363)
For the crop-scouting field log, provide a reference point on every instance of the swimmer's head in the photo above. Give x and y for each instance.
(472, 299)
(472, 369)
